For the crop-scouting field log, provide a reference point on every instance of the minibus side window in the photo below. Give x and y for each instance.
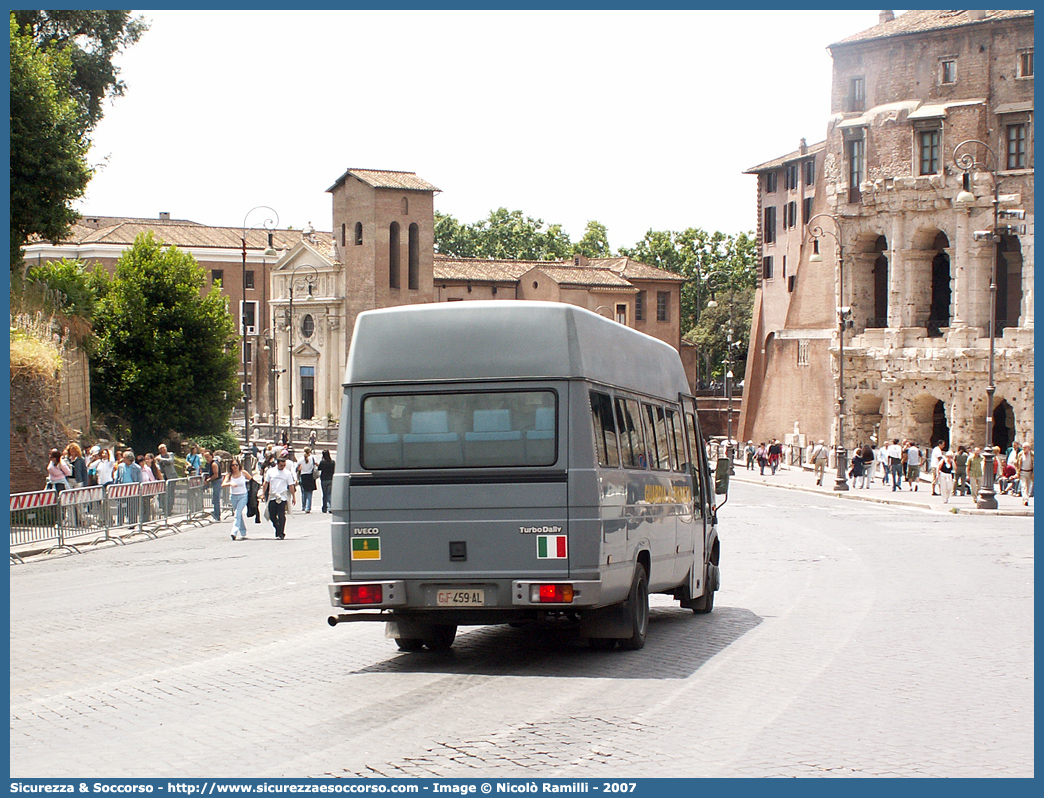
(628, 422)
(677, 439)
(604, 423)
(694, 449)
(656, 437)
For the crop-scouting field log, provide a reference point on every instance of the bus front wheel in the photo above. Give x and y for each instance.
(637, 606)
(409, 643)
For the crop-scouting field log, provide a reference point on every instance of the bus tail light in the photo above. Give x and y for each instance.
(361, 594)
(551, 594)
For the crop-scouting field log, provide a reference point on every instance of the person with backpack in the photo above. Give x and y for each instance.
(820, 457)
(212, 478)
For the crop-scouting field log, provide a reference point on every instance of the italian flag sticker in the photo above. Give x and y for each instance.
(366, 548)
(551, 547)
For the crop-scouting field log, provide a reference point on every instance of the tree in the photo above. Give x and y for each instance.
(503, 235)
(61, 72)
(91, 40)
(715, 266)
(48, 146)
(594, 243)
(166, 356)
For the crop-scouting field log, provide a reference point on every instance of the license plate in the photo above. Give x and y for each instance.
(460, 598)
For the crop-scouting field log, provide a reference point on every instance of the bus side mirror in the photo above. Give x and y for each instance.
(721, 476)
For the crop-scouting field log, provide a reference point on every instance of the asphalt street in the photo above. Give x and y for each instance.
(849, 639)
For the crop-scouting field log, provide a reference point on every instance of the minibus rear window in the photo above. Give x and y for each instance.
(459, 430)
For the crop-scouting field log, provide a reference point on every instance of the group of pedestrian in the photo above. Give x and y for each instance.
(953, 473)
(767, 455)
(274, 485)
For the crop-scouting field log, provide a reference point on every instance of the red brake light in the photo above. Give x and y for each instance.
(555, 594)
(361, 594)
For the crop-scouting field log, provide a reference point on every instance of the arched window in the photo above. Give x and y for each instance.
(343, 234)
(405, 206)
(414, 264)
(880, 317)
(358, 233)
(939, 311)
(393, 255)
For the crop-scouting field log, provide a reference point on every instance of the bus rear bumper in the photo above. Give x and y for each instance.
(478, 594)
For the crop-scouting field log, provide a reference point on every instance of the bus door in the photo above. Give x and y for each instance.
(698, 469)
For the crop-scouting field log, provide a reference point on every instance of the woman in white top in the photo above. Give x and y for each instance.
(104, 467)
(306, 471)
(236, 478)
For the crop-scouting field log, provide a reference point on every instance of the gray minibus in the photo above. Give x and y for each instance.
(516, 462)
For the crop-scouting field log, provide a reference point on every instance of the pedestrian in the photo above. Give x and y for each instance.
(311, 440)
(236, 479)
(762, 456)
(326, 472)
(895, 463)
(58, 471)
(306, 477)
(194, 461)
(975, 471)
(775, 454)
(278, 488)
(820, 457)
(945, 477)
(1025, 466)
(212, 478)
(129, 470)
(105, 467)
(1008, 478)
(960, 472)
(750, 451)
(882, 462)
(80, 478)
(936, 458)
(165, 461)
(856, 471)
(913, 466)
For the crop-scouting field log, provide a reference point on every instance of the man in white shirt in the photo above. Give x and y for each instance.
(278, 485)
(913, 465)
(934, 461)
(895, 463)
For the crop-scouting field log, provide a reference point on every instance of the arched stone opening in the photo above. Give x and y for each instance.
(940, 425)
(865, 419)
(1009, 283)
(942, 292)
(879, 315)
(1003, 425)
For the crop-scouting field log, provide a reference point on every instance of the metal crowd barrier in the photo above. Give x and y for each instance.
(47, 520)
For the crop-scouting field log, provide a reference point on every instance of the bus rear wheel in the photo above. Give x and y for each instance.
(409, 643)
(440, 638)
(637, 606)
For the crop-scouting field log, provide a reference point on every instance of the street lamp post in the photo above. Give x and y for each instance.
(843, 313)
(730, 345)
(968, 163)
(269, 225)
(310, 280)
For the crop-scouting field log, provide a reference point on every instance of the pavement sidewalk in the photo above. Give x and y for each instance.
(796, 477)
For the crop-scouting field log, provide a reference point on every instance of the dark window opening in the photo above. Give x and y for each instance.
(393, 255)
(413, 269)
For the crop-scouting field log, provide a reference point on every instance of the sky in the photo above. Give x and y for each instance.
(637, 119)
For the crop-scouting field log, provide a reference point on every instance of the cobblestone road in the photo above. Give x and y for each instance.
(848, 639)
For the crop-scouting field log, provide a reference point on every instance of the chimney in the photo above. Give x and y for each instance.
(164, 216)
(976, 15)
(803, 149)
(885, 16)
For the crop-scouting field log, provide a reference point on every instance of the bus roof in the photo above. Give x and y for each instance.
(507, 340)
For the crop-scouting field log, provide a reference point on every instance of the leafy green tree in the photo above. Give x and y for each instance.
(595, 242)
(48, 146)
(61, 72)
(453, 238)
(716, 266)
(503, 235)
(166, 355)
(90, 40)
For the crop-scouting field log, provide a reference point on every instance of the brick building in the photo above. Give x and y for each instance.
(905, 94)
